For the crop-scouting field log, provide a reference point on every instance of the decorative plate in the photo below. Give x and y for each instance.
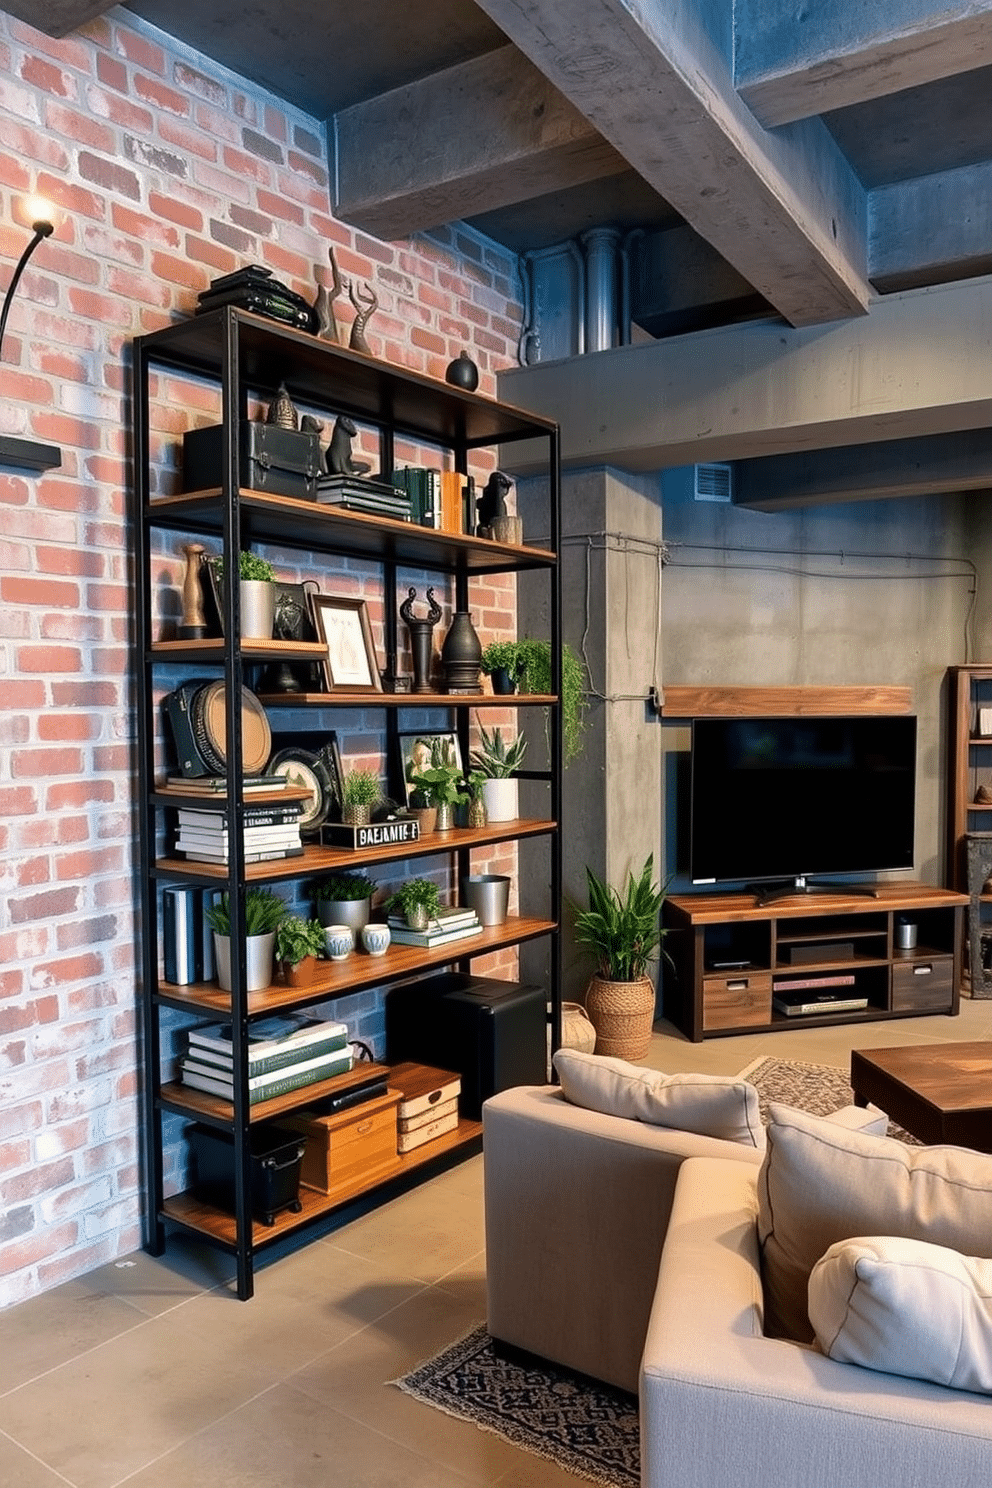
(308, 771)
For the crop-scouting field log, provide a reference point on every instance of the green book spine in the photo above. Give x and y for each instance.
(263, 1064)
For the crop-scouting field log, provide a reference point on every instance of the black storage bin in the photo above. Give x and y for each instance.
(285, 462)
(493, 1033)
(276, 1161)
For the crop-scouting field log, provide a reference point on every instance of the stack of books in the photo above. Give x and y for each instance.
(216, 785)
(286, 1052)
(796, 997)
(270, 831)
(354, 493)
(444, 499)
(450, 923)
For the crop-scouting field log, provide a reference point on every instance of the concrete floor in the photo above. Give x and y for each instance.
(149, 1372)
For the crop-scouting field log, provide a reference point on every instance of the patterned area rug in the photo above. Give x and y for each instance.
(816, 1088)
(587, 1428)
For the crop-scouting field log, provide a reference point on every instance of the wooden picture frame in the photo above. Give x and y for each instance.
(343, 626)
(415, 754)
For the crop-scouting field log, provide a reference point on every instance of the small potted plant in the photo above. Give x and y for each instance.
(418, 900)
(263, 911)
(441, 786)
(257, 594)
(496, 762)
(476, 814)
(298, 944)
(624, 931)
(359, 793)
(344, 899)
(502, 663)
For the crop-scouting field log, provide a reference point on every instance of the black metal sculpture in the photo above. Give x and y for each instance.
(491, 505)
(338, 458)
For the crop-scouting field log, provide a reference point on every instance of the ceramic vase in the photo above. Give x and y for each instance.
(500, 798)
(577, 1031)
(461, 655)
(258, 609)
(258, 961)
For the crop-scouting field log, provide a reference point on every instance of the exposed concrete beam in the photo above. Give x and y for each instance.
(467, 140)
(921, 363)
(785, 209)
(57, 17)
(791, 64)
(927, 466)
(931, 230)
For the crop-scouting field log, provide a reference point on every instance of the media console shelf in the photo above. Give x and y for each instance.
(734, 957)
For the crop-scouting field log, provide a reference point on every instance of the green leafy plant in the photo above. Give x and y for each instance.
(623, 931)
(341, 887)
(416, 893)
(503, 656)
(494, 759)
(263, 911)
(440, 785)
(250, 566)
(473, 784)
(361, 788)
(297, 938)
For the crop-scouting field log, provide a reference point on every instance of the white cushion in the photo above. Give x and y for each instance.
(820, 1183)
(708, 1105)
(905, 1307)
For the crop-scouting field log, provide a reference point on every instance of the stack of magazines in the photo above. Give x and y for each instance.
(271, 830)
(286, 1052)
(450, 923)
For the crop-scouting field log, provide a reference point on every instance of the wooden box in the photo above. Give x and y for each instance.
(741, 999)
(351, 1150)
(428, 1103)
(922, 986)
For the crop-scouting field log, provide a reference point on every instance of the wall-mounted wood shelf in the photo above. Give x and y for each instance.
(783, 702)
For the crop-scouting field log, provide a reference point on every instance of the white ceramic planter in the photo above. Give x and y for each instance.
(500, 798)
(259, 950)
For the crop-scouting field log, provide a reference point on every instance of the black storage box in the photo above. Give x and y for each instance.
(276, 1161)
(284, 462)
(493, 1033)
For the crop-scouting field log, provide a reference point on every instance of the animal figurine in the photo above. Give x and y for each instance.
(365, 307)
(491, 505)
(323, 305)
(338, 458)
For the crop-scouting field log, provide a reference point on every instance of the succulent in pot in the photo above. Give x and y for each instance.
(359, 793)
(496, 762)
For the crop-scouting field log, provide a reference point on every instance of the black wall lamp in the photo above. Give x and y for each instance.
(26, 454)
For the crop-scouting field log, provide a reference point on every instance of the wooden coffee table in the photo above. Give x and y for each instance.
(939, 1092)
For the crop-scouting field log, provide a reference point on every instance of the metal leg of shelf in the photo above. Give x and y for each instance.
(979, 870)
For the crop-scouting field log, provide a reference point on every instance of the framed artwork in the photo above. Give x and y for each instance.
(421, 751)
(342, 625)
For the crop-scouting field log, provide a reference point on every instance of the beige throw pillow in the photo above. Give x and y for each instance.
(905, 1307)
(707, 1105)
(819, 1184)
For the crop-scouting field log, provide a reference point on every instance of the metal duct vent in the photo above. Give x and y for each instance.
(713, 483)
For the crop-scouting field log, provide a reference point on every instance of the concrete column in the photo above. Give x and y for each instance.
(612, 798)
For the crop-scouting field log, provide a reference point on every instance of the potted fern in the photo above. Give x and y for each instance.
(496, 762)
(263, 911)
(624, 931)
(418, 900)
(298, 944)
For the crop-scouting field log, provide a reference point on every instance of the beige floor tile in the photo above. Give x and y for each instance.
(57, 1326)
(18, 1469)
(153, 1284)
(283, 1440)
(426, 1232)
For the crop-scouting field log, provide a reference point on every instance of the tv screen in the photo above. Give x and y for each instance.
(783, 798)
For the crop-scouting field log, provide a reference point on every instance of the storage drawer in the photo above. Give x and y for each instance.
(923, 983)
(739, 1000)
(352, 1149)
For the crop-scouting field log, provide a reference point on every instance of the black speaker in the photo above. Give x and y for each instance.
(492, 1033)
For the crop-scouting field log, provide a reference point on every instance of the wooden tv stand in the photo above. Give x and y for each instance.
(733, 956)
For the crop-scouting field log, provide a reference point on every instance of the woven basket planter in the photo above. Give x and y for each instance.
(622, 1014)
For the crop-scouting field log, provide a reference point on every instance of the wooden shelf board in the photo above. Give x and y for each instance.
(211, 648)
(407, 700)
(302, 523)
(175, 795)
(714, 909)
(338, 859)
(340, 978)
(785, 702)
(185, 1100)
(186, 1209)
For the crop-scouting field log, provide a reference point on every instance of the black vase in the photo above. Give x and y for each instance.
(463, 373)
(461, 655)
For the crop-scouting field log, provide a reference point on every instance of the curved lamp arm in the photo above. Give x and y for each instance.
(41, 230)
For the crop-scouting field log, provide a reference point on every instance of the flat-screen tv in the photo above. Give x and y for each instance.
(787, 798)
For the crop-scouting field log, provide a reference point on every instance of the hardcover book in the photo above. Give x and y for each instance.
(270, 1035)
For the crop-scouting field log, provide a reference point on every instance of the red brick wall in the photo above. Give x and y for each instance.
(167, 175)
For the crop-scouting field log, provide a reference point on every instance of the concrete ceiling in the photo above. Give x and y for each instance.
(822, 154)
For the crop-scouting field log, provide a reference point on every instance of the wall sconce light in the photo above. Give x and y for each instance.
(26, 454)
